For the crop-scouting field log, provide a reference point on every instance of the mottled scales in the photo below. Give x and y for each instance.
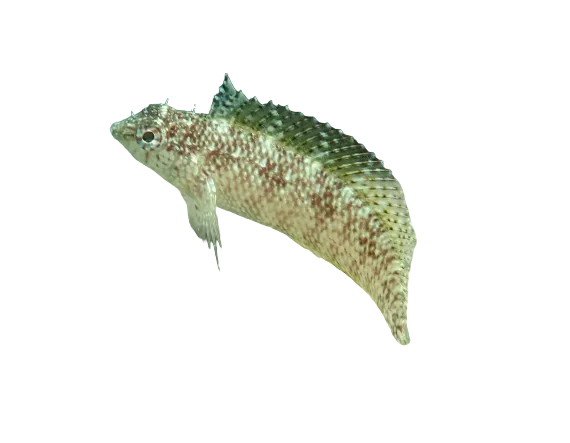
(288, 171)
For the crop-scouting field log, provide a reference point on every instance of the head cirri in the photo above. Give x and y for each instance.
(149, 132)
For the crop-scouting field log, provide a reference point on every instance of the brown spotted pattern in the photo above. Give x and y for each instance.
(260, 179)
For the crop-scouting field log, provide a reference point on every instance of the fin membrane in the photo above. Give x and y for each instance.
(338, 153)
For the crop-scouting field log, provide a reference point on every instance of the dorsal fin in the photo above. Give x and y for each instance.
(227, 100)
(338, 153)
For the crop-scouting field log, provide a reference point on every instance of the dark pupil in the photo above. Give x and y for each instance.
(148, 137)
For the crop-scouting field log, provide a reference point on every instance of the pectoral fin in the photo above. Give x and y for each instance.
(201, 203)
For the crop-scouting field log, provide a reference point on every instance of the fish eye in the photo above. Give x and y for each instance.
(149, 137)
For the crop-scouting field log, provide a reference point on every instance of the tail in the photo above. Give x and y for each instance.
(396, 317)
(391, 296)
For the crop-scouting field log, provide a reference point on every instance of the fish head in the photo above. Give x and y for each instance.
(148, 134)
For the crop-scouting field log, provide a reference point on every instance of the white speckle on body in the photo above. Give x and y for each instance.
(265, 178)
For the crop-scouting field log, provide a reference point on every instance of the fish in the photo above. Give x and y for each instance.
(288, 171)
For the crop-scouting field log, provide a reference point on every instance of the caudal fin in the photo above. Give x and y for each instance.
(396, 317)
(392, 296)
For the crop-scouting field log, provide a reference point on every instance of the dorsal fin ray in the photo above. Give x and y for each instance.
(336, 152)
(227, 100)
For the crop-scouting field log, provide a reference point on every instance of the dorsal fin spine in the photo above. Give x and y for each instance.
(338, 153)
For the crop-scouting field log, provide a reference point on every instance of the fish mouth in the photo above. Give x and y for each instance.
(120, 132)
(115, 130)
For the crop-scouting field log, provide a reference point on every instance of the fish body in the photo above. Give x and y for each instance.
(282, 169)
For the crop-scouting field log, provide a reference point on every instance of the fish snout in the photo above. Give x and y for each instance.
(115, 130)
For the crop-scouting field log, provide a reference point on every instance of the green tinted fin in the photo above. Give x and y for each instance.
(227, 100)
(338, 153)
